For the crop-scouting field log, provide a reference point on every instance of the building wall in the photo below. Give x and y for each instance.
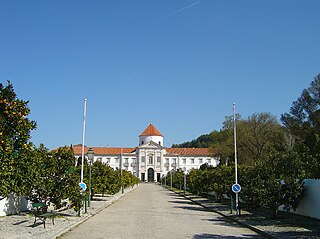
(13, 204)
(309, 206)
(140, 163)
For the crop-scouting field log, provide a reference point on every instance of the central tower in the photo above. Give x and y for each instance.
(151, 134)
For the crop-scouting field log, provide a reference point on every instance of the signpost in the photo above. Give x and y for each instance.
(236, 186)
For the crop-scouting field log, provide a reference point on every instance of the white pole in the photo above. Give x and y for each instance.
(235, 152)
(83, 135)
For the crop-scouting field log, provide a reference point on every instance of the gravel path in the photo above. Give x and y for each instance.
(174, 214)
(286, 226)
(152, 211)
(21, 225)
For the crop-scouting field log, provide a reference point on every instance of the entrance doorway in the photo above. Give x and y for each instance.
(150, 175)
(142, 177)
(158, 177)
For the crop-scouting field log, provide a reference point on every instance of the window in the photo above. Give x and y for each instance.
(159, 142)
(158, 159)
(108, 160)
(184, 161)
(143, 159)
(126, 160)
(116, 160)
(167, 160)
(174, 160)
(150, 160)
(192, 161)
(200, 161)
(209, 160)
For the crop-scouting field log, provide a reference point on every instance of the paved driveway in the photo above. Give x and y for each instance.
(151, 211)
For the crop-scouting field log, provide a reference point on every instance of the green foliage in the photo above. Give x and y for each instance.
(106, 180)
(222, 180)
(203, 141)
(274, 182)
(255, 138)
(15, 147)
(303, 121)
(54, 177)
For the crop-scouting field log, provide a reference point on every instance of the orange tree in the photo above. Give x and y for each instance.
(54, 177)
(15, 147)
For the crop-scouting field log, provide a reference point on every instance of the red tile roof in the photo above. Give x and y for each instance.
(103, 150)
(151, 131)
(118, 151)
(190, 151)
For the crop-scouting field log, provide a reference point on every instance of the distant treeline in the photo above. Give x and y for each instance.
(203, 141)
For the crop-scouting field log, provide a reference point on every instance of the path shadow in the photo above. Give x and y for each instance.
(216, 236)
(99, 199)
(196, 208)
(222, 221)
(18, 223)
(182, 202)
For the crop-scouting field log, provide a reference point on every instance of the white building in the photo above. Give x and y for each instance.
(151, 160)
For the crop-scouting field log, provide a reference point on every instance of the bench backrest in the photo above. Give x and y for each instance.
(39, 204)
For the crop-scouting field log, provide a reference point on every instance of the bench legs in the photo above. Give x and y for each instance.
(43, 219)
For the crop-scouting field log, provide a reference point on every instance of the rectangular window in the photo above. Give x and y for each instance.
(143, 159)
(184, 161)
(126, 160)
(167, 160)
(192, 161)
(158, 159)
(209, 161)
(200, 161)
(150, 160)
(116, 160)
(108, 160)
(174, 160)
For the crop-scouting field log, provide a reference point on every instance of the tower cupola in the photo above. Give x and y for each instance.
(151, 134)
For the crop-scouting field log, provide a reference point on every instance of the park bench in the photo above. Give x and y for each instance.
(40, 211)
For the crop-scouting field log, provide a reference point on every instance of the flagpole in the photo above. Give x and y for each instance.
(83, 136)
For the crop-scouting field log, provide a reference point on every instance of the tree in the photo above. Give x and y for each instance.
(276, 181)
(303, 121)
(256, 137)
(203, 141)
(54, 177)
(15, 147)
(222, 178)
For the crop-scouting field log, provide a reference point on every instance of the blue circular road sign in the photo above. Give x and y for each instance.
(236, 188)
(83, 186)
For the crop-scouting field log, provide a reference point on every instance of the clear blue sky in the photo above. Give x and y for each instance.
(178, 64)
